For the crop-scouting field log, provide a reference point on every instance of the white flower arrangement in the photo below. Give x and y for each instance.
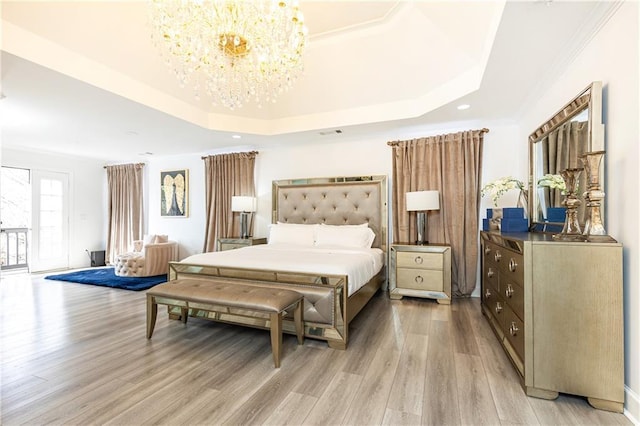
(553, 182)
(499, 186)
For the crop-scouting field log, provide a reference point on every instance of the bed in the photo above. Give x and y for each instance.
(336, 275)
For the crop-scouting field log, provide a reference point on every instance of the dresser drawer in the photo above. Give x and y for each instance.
(419, 260)
(514, 330)
(494, 253)
(419, 279)
(513, 267)
(497, 309)
(513, 294)
(491, 276)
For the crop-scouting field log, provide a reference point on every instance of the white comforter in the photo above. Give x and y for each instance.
(360, 265)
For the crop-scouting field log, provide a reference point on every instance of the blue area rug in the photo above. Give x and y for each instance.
(106, 277)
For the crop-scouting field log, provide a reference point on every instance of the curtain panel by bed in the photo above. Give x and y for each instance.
(226, 175)
(125, 222)
(451, 164)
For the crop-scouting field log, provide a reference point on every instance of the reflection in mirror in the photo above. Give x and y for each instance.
(557, 145)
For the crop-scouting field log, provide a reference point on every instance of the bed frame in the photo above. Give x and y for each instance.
(327, 308)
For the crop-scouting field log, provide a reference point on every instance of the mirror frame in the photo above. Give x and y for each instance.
(590, 98)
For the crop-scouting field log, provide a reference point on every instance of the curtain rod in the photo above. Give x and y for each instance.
(204, 157)
(483, 130)
(114, 165)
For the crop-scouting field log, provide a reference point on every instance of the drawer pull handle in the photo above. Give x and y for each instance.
(513, 265)
(497, 256)
(418, 260)
(487, 250)
(487, 293)
(498, 307)
(509, 290)
(490, 273)
(513, 329)
(419, 279)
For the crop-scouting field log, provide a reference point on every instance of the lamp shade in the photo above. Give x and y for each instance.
(423, 200)
(243, 204)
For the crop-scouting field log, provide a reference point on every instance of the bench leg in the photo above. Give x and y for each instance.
(185, 314)
(276, 337)
(297, 318)
(152, 313)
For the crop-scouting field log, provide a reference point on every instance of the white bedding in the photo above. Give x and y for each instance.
(359, 264)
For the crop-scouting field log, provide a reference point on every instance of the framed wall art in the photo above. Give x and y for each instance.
(174, 193)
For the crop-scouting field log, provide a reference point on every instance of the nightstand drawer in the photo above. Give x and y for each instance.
(231, 246)
(234, 243)
(420, 279)
(420, 260)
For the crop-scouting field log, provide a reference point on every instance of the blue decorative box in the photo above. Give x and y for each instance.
(485, 224)
(556, 214)
(513, 212)
(514, 224)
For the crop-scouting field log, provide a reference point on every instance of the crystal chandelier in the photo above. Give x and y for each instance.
(236, 51)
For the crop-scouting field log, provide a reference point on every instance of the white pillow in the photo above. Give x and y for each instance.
(351, 236)
(292, 233)
(149, 239)
(161, 239)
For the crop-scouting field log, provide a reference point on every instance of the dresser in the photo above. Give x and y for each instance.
(234, 243)
(556, 308)
(420, 271)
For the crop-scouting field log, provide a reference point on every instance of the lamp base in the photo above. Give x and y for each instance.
(244, 227)
(421, 227)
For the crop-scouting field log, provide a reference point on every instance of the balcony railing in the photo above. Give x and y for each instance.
(14, 251)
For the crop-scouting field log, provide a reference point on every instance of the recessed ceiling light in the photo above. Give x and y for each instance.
(464, 106)
(236, 137)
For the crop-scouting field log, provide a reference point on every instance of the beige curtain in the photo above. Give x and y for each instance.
(125, 208)
(561, 149)
(450, 164)
(226, 175)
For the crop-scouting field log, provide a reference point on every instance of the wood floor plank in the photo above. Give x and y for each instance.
(393, 417)
(293, 410)
(368, 407)
(440, 404)
(475, 399)
(463, 341)
(407, 391)
(332, 406)
(512, 404)
(77, 354)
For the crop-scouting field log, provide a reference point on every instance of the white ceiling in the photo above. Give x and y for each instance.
(84, 77)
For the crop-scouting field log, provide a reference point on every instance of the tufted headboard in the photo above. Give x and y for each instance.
(334, 201)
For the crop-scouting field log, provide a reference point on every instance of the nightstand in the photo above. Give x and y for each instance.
(420, 271)
(234, 243)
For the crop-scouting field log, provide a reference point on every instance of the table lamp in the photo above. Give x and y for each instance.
(421, 202)
(244, 205)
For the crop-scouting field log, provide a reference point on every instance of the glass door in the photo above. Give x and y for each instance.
(50, 247)
(15, 218)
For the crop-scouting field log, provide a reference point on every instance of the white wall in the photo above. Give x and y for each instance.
(187, 231)
(612, 57)
(87, 207)
(504, 154)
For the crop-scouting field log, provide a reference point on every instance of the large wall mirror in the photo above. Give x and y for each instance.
(557, 145)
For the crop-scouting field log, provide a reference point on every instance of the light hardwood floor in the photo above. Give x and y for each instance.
(77, 354)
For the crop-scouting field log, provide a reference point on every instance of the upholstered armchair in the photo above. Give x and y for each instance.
(149, 257)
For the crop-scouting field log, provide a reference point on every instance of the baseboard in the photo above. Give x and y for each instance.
(632, 406)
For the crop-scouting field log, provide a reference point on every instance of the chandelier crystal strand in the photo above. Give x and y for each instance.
(235, 51)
